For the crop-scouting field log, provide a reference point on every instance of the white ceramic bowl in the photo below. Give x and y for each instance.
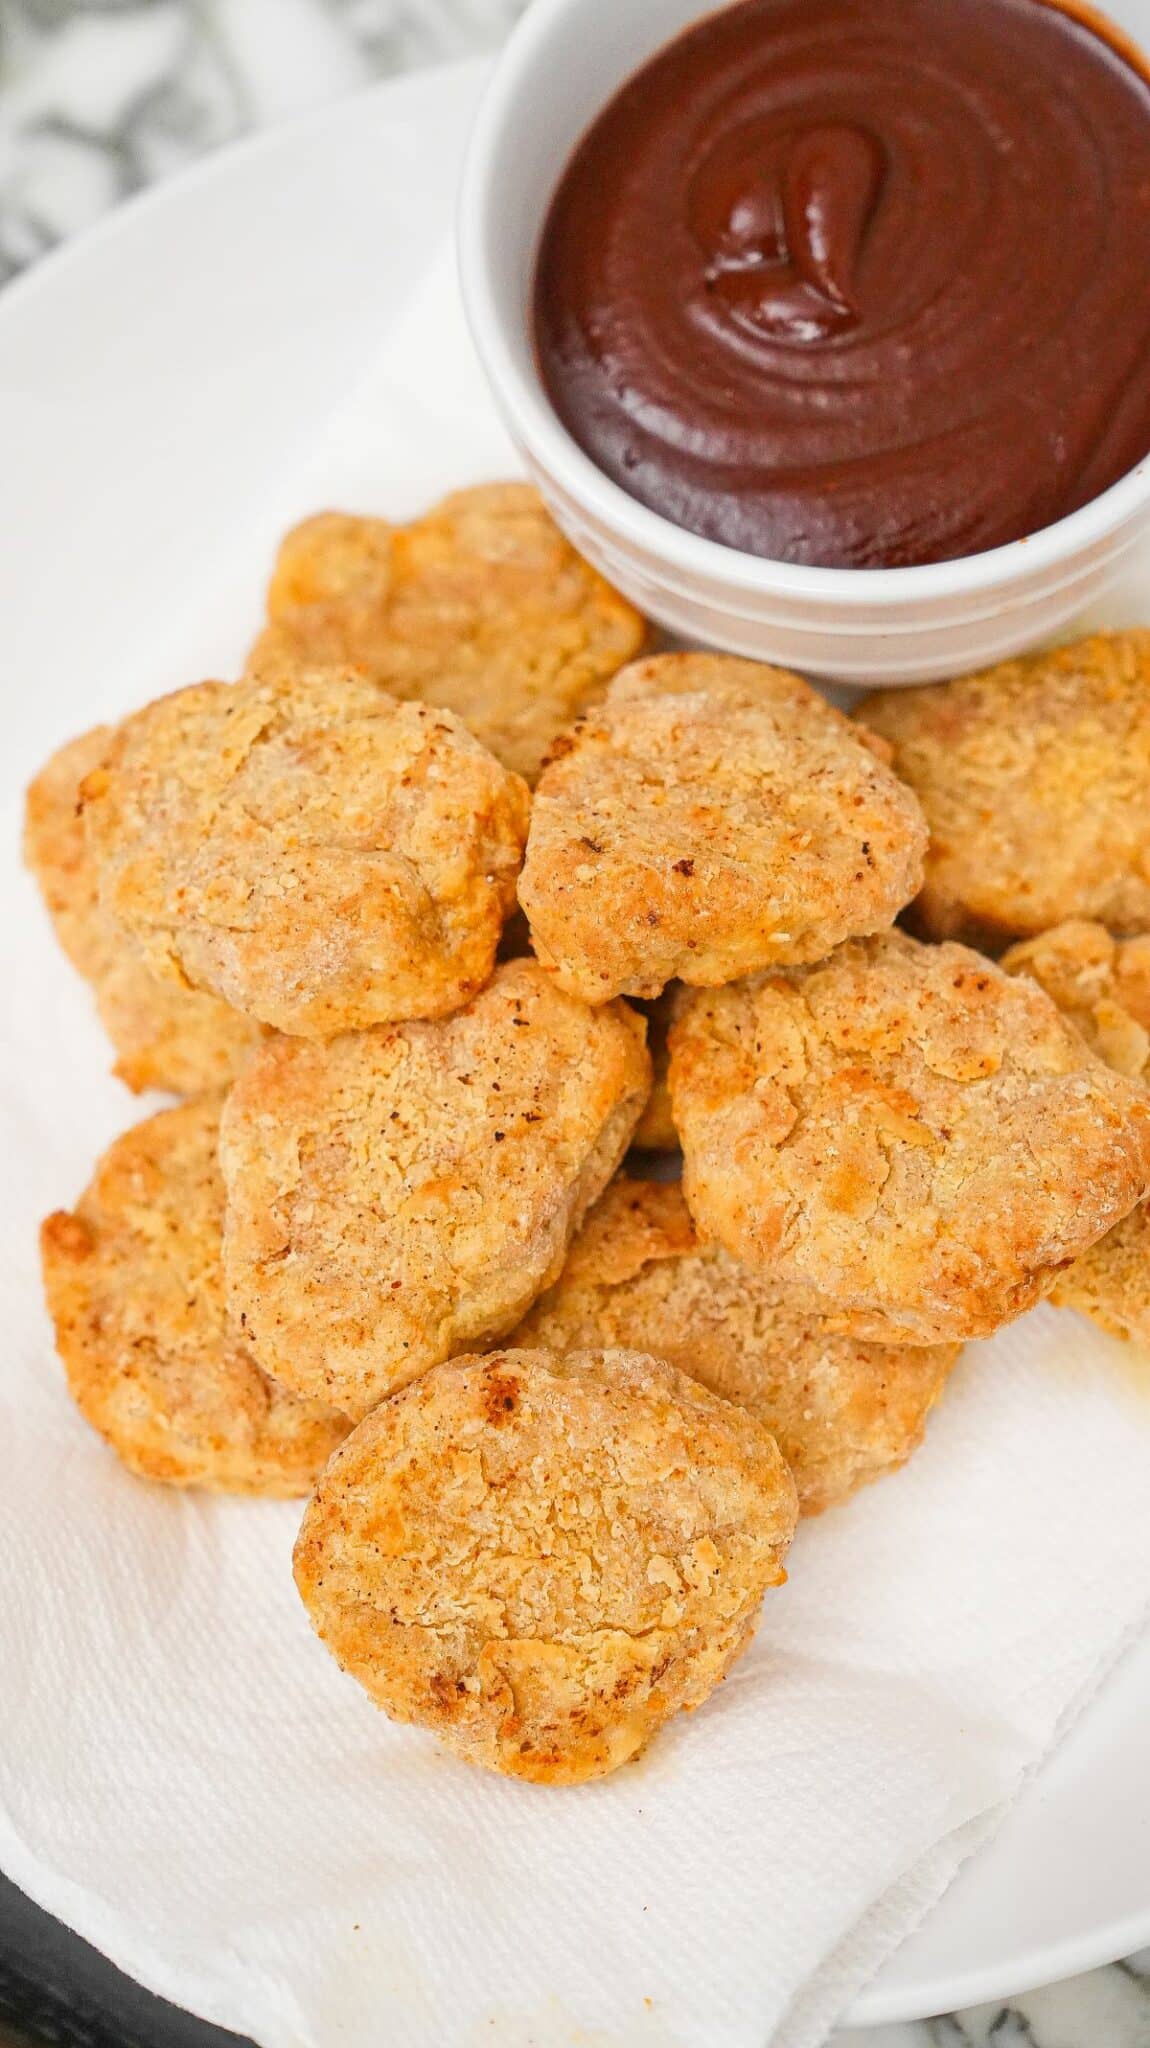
(560, 66)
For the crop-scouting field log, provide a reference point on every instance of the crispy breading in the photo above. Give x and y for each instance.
(1102, 984)
(164, 1036)
(135, 1290)
(638, 1276)
(481, 606)
(315, 853)
(912, 1134)
(1033, 776)
(1110, 1282)
(397, 1195)
(56, 853)
(714, 817)
(543, 1558)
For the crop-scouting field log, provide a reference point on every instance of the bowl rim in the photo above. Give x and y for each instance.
(534, 422)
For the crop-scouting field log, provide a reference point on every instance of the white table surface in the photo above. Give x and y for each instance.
(101, 97)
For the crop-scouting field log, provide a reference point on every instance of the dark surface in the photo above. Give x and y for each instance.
(53, 1987)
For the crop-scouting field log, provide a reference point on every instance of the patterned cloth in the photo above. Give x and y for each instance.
(100, 97)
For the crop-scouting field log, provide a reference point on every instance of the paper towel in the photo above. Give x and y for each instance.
(187, 1779)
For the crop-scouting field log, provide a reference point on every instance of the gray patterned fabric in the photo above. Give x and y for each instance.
(98, 98)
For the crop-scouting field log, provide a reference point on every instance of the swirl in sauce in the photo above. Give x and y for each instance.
(862, 283)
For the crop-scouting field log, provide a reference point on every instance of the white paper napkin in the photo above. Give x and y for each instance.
(187, 1778)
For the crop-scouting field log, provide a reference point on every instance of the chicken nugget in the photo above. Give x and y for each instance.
(134, 1287)
(164, 1036)
(481, 606)
(545, 1557)
(1110, 1282)
(318, 855)
(841, 1410)
(400, 1194)
(1033, 776)
(56, 853)
(713, 818)
(1102, 984)
(915, 1136)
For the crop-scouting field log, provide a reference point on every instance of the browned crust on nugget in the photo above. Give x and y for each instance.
(315, 853)
(56, 852)
(713, 818)
(134, 1287)
(543, 1558)
(164, 1036)
(842, 1411)
(907, 1131)
(1101, 983)
(1110, 1282)
(480, 606)
(398, 1195)
(1033, 777)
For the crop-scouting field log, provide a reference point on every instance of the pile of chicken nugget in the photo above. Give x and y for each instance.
(454, 925)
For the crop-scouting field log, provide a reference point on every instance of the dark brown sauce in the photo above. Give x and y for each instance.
(862, 283)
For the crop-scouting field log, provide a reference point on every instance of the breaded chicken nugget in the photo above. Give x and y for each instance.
(135, 1290)
(842, 1411)
(318, 855)
(713, 818)
(1033, 776)
(399, 1194)
(543, 1558)
(1110, 1282)
(164, 1036)
(905, 1130)
(481, 606)
(1102, 984)
(56, 852)
(655, 1130)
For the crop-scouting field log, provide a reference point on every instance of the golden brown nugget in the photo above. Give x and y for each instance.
(905, 1130)
(164, 1036)
(713, 818)
(56, 852)
(401, 1194)
(1033, 776)
(1101, 983)
(638, 1276)
(655, 1130)
(1110, 1283)
(542, 1557)
(318, 855)
(481, 606)
(135, 1290)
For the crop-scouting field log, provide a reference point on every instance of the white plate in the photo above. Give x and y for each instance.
(152, 379)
